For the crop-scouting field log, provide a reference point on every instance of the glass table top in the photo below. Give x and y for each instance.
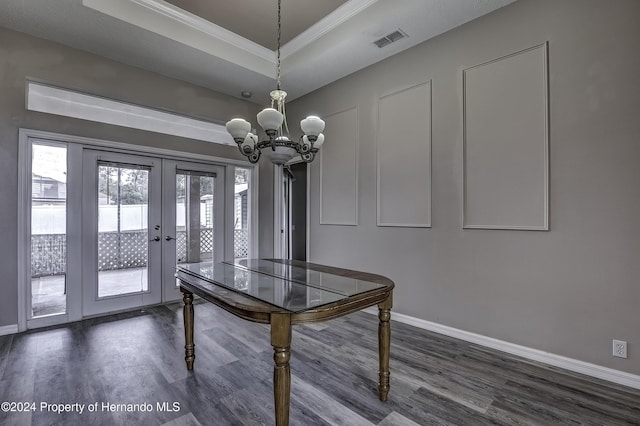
(323, 280)
(294, 288)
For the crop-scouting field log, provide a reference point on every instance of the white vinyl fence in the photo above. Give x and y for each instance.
(117, 250)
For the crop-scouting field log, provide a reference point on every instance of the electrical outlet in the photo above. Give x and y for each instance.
(620, 348)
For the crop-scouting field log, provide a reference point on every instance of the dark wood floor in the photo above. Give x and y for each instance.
(137, 358)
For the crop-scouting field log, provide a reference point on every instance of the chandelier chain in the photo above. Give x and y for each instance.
(278, 47)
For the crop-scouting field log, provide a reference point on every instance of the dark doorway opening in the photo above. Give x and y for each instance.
(295, 192)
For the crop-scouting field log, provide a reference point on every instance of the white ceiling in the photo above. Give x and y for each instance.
(162, 37)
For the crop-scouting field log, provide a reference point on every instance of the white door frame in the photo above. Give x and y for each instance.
(278, 213)
(73, 217)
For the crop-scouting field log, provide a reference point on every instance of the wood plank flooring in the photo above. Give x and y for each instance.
(138, 358)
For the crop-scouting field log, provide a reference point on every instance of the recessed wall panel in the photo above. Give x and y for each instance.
(404, 157)
(339, 170)
(506, 142)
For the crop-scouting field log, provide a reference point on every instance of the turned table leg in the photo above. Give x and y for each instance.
(384, 344)
(187, 312)
(281, 342)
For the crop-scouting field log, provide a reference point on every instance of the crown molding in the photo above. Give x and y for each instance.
(176, 24)
(207, 27)
(120, 9)
(342, 14)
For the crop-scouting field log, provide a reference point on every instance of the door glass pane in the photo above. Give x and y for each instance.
(48, 229)
(195, 231)
(123, 232)
(242, 213)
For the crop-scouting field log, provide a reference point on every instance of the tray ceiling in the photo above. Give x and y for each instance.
(228, 45)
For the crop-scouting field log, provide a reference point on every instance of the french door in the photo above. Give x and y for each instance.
(141, 216)
(102, 227)
(193, 218)
(120, 232)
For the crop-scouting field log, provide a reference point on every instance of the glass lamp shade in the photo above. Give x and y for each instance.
(317, 144)
(281, 155)
(270, 119)
(312, 125)
(249, 143)
(238, 128)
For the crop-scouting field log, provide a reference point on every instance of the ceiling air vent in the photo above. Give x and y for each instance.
(390, 38)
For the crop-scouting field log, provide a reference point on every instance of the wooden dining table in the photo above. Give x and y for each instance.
(284, 293)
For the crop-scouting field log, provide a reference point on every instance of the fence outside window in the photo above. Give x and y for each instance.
(48, 253)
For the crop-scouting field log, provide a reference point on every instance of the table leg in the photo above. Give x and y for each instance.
(281, 342)
(384, 344)
(187, 312)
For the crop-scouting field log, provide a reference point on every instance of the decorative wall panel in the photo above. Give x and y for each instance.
(506, 148)
(404, 157)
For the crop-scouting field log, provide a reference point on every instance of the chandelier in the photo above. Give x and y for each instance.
(278, 147)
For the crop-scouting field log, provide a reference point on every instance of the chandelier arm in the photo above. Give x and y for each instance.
(263, 144)
(304, 147)
(247, 150)
(253, 158)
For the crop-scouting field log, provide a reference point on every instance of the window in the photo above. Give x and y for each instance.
(48, 229)
(242, 213)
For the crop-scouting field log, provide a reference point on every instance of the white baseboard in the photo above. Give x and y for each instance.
(9, 329)
(593, 370)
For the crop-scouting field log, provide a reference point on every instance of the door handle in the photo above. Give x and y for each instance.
(155, 239)
(168, 238)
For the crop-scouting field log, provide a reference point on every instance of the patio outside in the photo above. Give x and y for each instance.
(49, 295)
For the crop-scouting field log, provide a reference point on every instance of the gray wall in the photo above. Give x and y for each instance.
(569, 290)
(22, 56)
(265, 199)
